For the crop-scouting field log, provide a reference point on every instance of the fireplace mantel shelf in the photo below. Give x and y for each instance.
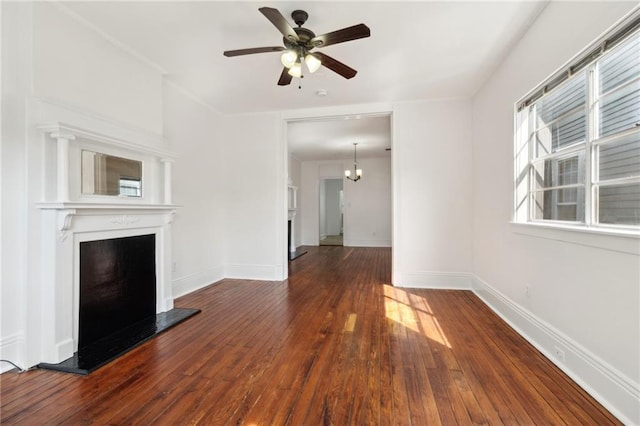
(122, 213)
(105, 206)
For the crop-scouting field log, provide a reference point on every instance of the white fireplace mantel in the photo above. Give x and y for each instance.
(69, 218)
(120, 214)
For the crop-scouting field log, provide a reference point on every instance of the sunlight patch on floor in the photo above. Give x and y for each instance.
(350, 323)
(414, 313)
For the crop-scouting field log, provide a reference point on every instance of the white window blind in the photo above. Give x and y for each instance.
(577, 141)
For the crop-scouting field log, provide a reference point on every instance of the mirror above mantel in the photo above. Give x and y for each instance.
(95, 167)
(104, 174)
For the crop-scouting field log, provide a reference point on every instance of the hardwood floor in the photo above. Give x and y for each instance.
(332, 240)
(335, 344)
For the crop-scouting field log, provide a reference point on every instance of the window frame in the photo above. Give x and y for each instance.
(525, 139)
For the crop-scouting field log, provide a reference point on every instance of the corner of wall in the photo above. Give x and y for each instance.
(615, 391)
(253, 272)
(10, 351)
(196, 281)
(435, 280)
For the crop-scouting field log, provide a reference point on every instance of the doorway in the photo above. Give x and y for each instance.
(331, 212)
(319, 147)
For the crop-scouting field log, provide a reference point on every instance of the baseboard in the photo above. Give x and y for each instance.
(196, 281)
(616, 392)
(64, 349)
(10, 350)
(253, 272)
(367, 243)
(435, 279)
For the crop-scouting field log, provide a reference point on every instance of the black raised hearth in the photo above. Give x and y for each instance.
(102, 351)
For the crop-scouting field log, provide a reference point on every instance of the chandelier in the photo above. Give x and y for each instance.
(356, 171)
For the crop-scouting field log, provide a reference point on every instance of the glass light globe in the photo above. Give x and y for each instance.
(312, 62)
(288, 58)
(296, 70)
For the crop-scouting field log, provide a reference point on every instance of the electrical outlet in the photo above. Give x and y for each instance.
(559, 353)
(173, 266)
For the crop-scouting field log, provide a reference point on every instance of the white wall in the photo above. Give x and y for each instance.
(432, 175)
(322, 206)
(308, 207)
(367, 203)
(199, 233)
(16, 77)
(295, 173)
(330, 214)
(582, 297)
(333, 211)
(76, 65)
(255, 188)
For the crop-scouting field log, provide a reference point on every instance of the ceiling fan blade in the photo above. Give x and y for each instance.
(280, 22)
(285, 77)
(340, 36)
(335, 65)
(239, 52)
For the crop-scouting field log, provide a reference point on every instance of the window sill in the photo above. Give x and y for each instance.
(607, 239)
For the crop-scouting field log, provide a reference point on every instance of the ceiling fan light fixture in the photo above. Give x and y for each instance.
(299, 41)
(296, 69)
(289, 58)
(312, 62)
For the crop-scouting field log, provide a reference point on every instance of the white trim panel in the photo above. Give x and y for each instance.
(367, 243)
(196, 281)
(253, 272)
(10, 350)
(59, 113)
(615, 391)
(602, 238)
(435, 280)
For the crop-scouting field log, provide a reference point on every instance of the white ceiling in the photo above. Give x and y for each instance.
(417, 50)
(333, 139)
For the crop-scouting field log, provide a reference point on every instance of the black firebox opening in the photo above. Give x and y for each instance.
(117, 285)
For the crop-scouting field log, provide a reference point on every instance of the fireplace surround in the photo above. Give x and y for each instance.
(70, 218)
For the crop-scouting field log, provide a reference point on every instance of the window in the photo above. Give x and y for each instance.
(577, 141)
(131, 187)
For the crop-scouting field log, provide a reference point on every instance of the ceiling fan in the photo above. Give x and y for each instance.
(298, 43)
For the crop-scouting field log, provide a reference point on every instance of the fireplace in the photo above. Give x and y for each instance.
(80, 323)
(117, 285)
(116, 294)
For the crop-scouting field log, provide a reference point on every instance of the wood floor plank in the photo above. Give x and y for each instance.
(334, 344)
(479, 360)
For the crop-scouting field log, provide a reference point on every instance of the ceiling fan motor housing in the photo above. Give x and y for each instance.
(299, 17)
(304, 35)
